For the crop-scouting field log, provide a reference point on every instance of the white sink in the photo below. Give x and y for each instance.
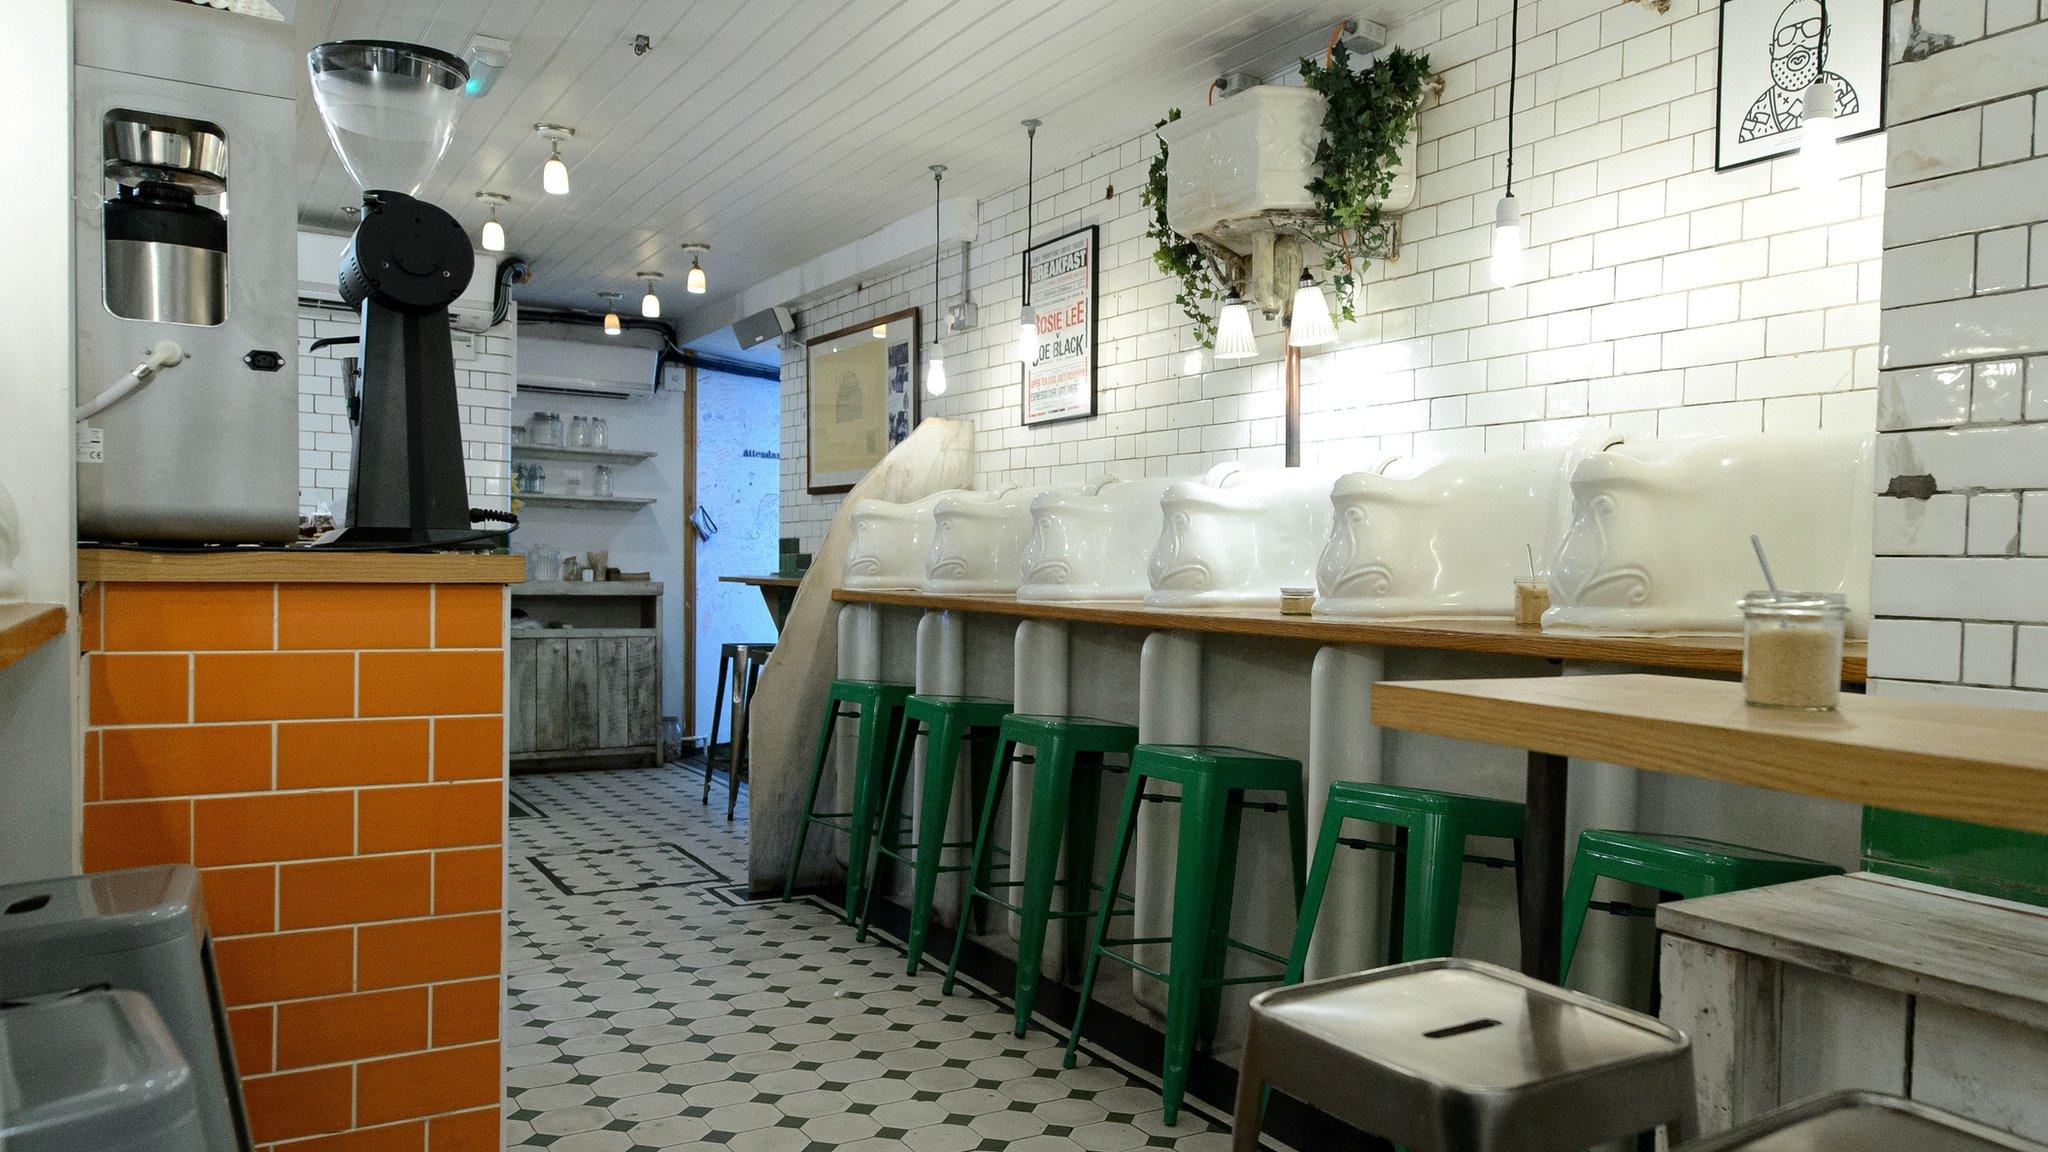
(978, 541)
(1239, 535)
(1659, 539)
(890, 541)
(1090, 545)
(1449, 540)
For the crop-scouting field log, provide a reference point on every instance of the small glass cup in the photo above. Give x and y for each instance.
(1532, 600)
(1792, 649)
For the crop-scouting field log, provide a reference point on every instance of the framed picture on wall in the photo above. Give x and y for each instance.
(1772, 50)
(1060, 284)
(860, 398)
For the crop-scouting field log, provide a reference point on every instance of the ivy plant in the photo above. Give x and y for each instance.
(1366, 117)
(1176, 255)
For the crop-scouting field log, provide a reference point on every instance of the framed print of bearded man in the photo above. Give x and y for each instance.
(1773, 50)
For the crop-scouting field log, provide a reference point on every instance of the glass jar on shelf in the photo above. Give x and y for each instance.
(579, 432)
(601, 483)
(599, 437)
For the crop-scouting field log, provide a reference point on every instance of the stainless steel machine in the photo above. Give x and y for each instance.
(187, 373)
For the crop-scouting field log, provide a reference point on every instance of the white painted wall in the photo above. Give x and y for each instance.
(39, 767)
(1960, 583)
(1665, 299)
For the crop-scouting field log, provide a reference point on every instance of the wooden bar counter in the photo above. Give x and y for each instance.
(323, 736)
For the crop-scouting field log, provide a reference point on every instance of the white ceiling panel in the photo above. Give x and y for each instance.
(775, 130)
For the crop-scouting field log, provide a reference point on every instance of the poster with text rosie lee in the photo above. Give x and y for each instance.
(1060, 294)
(1772, 51)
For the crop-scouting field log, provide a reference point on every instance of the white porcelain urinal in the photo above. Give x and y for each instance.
(1091, 544)
(1239, 535)
(889, 545)
(1449, 540)
(978, 541)
(1659, 539)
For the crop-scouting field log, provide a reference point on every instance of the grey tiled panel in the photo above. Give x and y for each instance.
(653, 1008)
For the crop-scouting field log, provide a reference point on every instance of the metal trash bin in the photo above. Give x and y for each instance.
(1861, 1122)
(142, 929)
(95, 1072)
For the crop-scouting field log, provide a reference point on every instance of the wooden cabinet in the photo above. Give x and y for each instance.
(586, 694)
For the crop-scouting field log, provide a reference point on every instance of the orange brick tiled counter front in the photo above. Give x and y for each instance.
(331, 758)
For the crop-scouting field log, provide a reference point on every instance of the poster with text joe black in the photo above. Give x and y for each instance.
(1060, 288)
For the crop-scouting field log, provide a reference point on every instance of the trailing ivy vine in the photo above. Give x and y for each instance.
(1366, 117)
(1176, 255)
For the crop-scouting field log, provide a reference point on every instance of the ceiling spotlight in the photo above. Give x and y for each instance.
(1311, 324)
(1234, 330)
(554, 175)
(612, 327)
(493, 234)
(487, 57)
(650, 304)
(694, 284)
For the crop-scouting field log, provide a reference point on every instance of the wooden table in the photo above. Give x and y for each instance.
(1501, 637)
(1985, 765)
(778, 591)
(26, 627)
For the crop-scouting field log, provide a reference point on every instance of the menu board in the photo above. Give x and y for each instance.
(1060, 290)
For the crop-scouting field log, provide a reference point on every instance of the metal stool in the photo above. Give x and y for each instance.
(1453, 1055)
(1861, 1122)
(876, 707)
(142, 929)
(744, 661)
(94, 1071)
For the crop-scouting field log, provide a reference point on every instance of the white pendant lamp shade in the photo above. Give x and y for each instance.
(694, 283)
(935, 371)
(1311, 324)
(554, 175)
(612, 327)
(492, 235)
(935, 363)
(1234, 331)
(1819, 130)
(611, 324)
(650, 304)
(1507, 243)
(1027, 336)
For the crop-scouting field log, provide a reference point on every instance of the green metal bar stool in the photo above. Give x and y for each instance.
(878, 706)
(1681, 867)
(1431, 828)
(945, 722)
(1213, 781)
(1067, 758)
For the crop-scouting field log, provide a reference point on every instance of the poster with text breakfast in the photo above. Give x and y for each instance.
(1059, 378)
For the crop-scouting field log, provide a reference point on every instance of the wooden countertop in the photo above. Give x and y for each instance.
(1985, 765)
(1691, 653)
(297, 566)
(26, 627)
(763, 581)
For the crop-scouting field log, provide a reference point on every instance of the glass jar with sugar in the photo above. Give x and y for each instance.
(1792, 649)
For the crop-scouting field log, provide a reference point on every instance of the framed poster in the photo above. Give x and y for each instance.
(860, 398)
(1060, 282)
(1771, 50)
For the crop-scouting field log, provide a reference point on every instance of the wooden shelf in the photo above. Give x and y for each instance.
(27, 627)
(764, 581)
(589, 588)
(297, 566)
(1504, 637)
(549, 500)
(588, 455)
(1959, 761)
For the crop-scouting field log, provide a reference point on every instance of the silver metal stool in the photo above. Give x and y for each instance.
(1862, 1122)
(1460, 1056)
(94, 1072)
(142, 929)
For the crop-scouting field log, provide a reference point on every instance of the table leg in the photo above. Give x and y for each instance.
(1542, 895)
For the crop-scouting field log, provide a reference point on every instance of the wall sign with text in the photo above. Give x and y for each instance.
(1060, 283)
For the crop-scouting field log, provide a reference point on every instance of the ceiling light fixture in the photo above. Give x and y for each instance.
(1311, 323)
(1027, 320)
(487, 57)
(935, 361)
(650, 304)
(612, 327)
(1819, 125)
(694, 282)
(493, 233)
(1234, 330)
(554, 175)
(1507, 215)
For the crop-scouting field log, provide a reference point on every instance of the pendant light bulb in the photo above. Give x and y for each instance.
(612, 327)
(935, 363)
(650, 304)
(1027, 336)
(935, 371)
(1820, 129)
(694, 283)
(1027, 318)
(554, 175)
(1311, 324)
(1507, 243)
(492, 234)
(1234, 330)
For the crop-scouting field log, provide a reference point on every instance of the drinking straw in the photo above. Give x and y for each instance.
(1771, 582)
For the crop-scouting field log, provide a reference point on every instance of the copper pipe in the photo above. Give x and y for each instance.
(1293, 406)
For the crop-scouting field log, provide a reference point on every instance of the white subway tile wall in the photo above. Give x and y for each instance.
(1664, 298)
(483, 380)
(1960, 586)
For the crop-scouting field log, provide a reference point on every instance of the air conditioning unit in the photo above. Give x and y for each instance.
(583, 368)
(320, 260)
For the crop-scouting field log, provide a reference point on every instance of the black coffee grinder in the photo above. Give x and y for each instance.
(390, 109)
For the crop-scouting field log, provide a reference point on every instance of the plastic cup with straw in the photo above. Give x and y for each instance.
(1532, 594)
